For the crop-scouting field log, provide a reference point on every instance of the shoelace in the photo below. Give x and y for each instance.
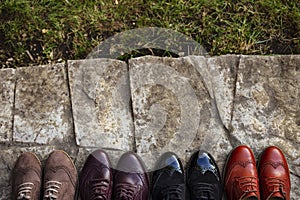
(126, 191)
(203, 191)
(275, 185)
(24, 191)
(99, 189)
(247, 184)
(175, 192)
(51, 190)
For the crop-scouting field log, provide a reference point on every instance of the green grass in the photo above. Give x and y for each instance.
(36, 32)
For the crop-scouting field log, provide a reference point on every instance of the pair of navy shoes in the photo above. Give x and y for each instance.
(202, 179)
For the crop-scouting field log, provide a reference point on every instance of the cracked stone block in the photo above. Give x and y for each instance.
(173, 109)
(295, 192)
(7, 85)
(266, 106)
(8, 157)
(42, 105)
(101, 104)
(222, 74)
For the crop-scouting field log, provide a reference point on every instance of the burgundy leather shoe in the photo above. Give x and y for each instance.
(130, 179)
(241, 179)
(96, 178)
(274, 175)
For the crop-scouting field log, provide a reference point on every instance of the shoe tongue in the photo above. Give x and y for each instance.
(276, 196)
(250, 196)
(205, 197)
(207, 177)
(204, 191)
(173, 192)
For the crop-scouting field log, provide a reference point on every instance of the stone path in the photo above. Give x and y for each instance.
(151, 105)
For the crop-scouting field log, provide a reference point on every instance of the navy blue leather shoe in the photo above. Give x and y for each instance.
(203, 177)
(168, 178)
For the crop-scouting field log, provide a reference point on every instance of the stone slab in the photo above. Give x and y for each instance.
(295, 191)
(42, 105)
(222, 72)
(173, 110)
(101, 104)
(7, 85)
(266, 107)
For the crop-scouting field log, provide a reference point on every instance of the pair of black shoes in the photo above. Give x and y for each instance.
(203, 178)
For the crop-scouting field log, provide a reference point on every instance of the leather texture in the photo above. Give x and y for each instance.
(96, 177)
(241, 177)
(274, 175)
(168, 178)
(203, 177)
(130, 179)
(26, 177)
(60, 177)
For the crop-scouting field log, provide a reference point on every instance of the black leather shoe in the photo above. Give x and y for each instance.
(96, 178)
(203, 177)
(168, 178)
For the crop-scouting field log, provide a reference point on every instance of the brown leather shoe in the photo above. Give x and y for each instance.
(60, 177)
(241, 180)
(274, 175)
(96, 178)
(130, 179)
(26, 177)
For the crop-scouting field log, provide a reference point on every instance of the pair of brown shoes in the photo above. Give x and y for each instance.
(99, 181)
(59, 181)
(244, 182)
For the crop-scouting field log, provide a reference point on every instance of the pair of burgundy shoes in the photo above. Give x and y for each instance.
(270, 180)
(98, 181)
